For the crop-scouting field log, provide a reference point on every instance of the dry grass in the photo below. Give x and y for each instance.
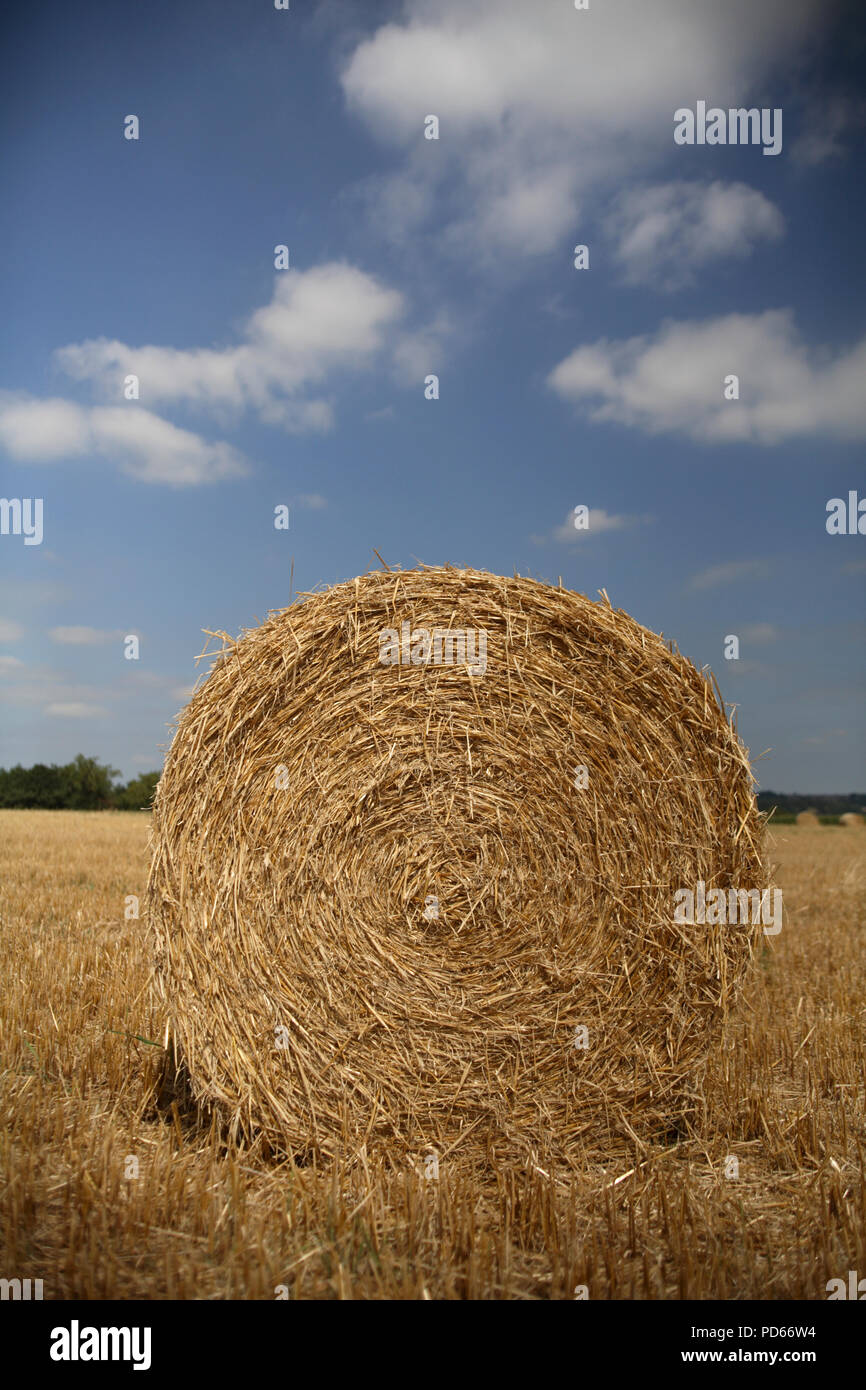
(785, 1097)
(315, 799)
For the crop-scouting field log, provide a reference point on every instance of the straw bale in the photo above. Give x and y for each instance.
(387, 910)
(853, 819)
(808, 818)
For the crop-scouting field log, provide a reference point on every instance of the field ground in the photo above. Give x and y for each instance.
(80, 1048)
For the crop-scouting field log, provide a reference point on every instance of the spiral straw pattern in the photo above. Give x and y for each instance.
(429, 905)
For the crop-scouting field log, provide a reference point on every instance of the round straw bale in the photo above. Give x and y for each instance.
(853, 819)
(808, 818)
(430, 905)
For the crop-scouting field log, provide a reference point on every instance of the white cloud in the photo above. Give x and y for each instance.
(311, 501)
(141, 443)
(497, 58)
(46, 429)
(730, 573)
(330, 317)
(760, 633)
(9, 631)
(673, 382)
(75, 710)
(528, 217)
(599, 521)
(10, 663)
(666, 231)
(529, 120)
(156, 451)
(81, 636)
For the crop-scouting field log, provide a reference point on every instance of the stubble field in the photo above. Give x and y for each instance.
(104, 1193)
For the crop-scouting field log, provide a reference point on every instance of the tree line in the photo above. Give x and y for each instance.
(826, 804)
(85, 784)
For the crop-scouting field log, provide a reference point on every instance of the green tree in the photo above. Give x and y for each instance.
(91, 785)
(34, 787)
(137, 795)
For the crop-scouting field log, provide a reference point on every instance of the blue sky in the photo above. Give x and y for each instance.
(410, 256)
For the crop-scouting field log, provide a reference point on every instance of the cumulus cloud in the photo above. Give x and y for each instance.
(663, 233)
(330, 317)
(49, 429)
(10, 631)
(673, 382)
(528, 119)
(141, 443)
(156, 451)
(599, 521)
(10, 663)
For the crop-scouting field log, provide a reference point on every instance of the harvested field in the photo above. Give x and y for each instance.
(81, 1060)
